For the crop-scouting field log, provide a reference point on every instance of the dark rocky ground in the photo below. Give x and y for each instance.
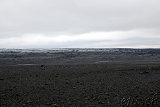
(85, 78)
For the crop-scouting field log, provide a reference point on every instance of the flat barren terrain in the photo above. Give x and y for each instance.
(80, 78)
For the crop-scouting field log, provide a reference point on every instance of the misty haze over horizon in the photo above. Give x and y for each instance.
(33, 24)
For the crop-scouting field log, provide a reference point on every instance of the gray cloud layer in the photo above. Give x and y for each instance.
(50, 18)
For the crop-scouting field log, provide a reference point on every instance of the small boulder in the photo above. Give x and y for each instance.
(1, 79)
(144, 72)
(42, 65)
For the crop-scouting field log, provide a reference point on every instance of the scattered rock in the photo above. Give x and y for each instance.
(55, 105)
(56, 75)
(91, 106)
(100, 102)
(1, 79)
(42, 65)
(67, 82)
(29, 101)
(9, 89)
(46, 84)
(74, 87)
(106, 93)
(144, 72)
(81, 83)
(24, 104)
(18, 95)
(42, 86)
(48, 103)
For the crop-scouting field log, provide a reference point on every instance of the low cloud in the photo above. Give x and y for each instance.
(114, 39)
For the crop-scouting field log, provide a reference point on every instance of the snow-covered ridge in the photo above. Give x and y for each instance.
(54, 50)
(57, 50)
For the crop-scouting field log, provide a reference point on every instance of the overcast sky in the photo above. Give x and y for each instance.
(79, 23)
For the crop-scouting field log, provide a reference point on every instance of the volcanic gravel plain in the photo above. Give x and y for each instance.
(80, 78)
